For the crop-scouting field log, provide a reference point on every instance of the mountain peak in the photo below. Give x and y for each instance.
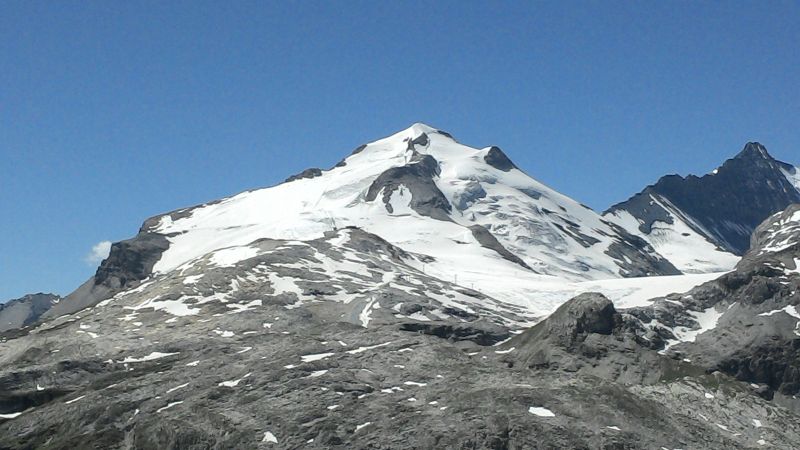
(416, 130)
(753, 150)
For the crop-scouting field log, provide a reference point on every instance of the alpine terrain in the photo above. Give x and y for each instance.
(426, 294)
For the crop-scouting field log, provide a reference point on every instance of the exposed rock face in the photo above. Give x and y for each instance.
(417, 177)
(724, 206)
(487, 240)
(748, 319)
(23, 311)
(636, 258)
(308, 173)
(128, 263)
(497, 159)
(588, 335)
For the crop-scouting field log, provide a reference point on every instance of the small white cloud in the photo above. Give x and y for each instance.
(99, 252)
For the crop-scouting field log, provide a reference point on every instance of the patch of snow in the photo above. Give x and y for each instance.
(269, 437)
(316, 357)
(74, 400)
(540, 411)
(371, 347)
(228, 257)
(150, 357)
(503, 352)
(177, 387)
(233, 383)
(192, 279)
(169, 405)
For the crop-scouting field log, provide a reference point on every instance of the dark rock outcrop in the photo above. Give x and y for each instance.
(308, 173)
(26, 310)
(727, 205)
(497, 159)
(587, 335)
(417, 178)
(487, 240)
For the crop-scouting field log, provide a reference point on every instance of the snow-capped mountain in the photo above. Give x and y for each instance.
(410, 287)
(703, 224)
(472, 210)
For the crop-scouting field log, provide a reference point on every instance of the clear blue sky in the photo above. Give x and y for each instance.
(111, 112)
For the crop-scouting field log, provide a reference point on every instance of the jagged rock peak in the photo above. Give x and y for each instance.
(753, 150)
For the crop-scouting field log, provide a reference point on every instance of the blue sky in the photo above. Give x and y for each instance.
(111, 112)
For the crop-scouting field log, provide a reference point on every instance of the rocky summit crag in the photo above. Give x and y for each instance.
(419, 294)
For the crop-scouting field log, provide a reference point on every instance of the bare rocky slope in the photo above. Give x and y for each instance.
(217, 356)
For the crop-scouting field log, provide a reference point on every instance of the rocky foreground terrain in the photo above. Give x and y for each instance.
(200, 360)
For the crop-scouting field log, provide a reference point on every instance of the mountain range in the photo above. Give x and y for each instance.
(422, 284)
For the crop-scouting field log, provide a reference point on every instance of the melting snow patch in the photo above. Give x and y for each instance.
(332, 407)
(707, 395)
(613, 428)
(228, 257)
(245, 349)
(10, 415)
(366, 314)
(174, 307)
(74, 400)
(317, 373)
(269, 437)
(503, 352)
(790, 310)
(358, 427)
(315, 357)
(363, 349)
(541, 412)
(150, 357)
(414, 383)
(170, 405)
(177, 387)
(756, 423)
(707, 320)
(224, 334)
(192, 279)
(193, 363)
(233, 383)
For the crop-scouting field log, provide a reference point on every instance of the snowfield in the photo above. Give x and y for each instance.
(565, 245)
